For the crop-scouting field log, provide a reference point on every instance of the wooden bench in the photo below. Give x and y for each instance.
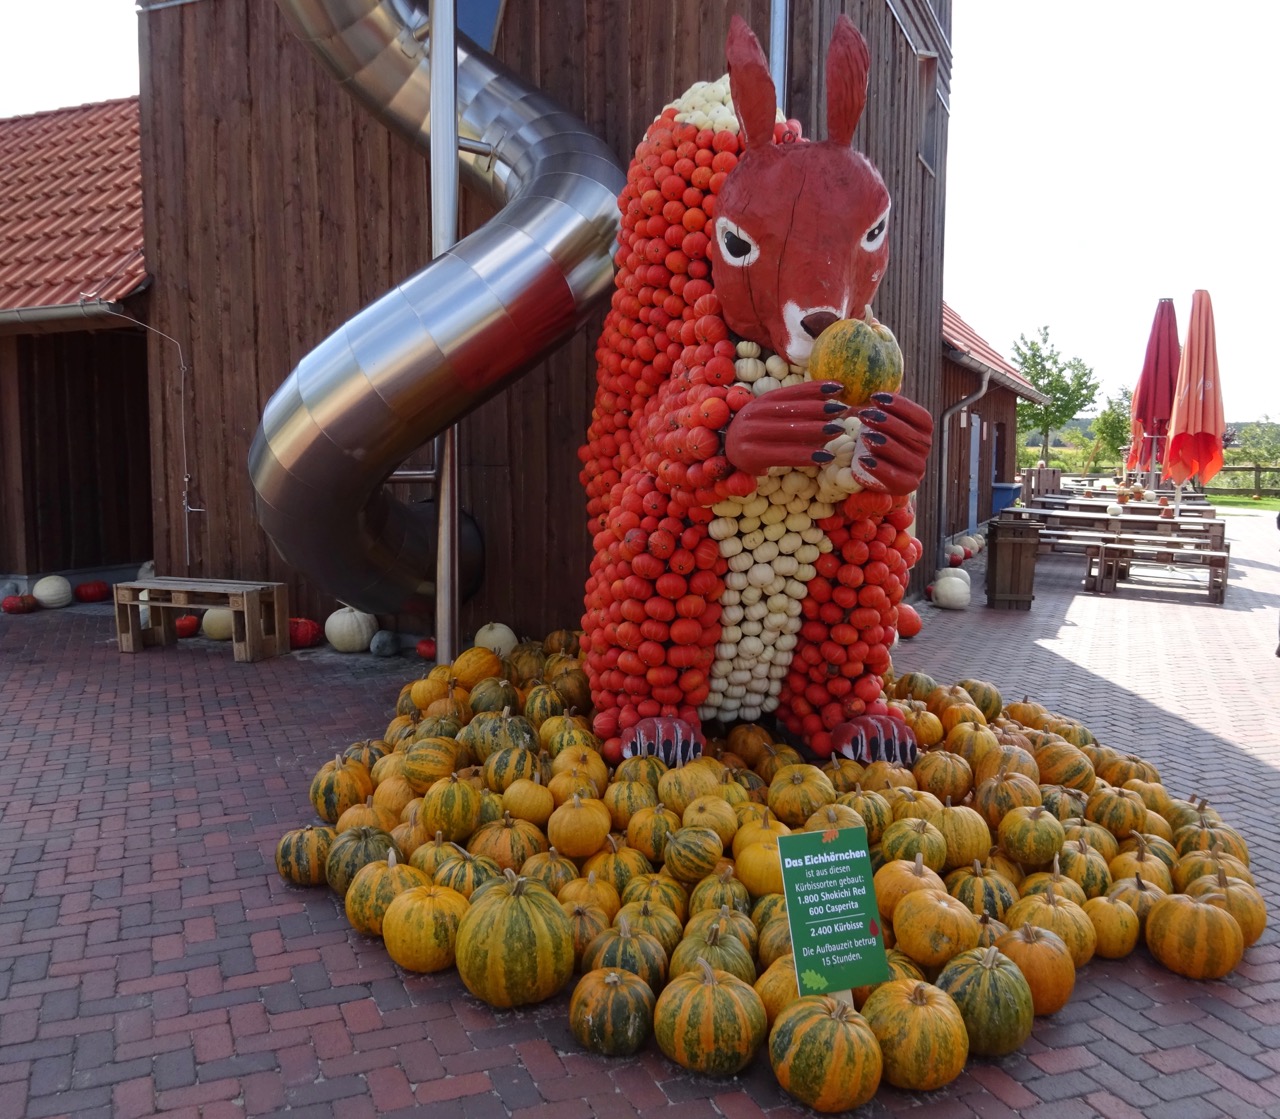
(260, 613)
(1109, 562)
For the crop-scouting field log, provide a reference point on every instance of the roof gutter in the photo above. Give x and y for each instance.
(56, 313)
(1003, 380)
(960, 358)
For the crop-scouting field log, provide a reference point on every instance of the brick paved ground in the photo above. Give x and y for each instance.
(151, 960)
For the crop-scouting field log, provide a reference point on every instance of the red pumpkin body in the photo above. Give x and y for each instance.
(19, 604)
(188, 625)
(426, 648)
(304, 633)
(95, 591)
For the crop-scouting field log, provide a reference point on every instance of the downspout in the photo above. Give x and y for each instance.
(962, 359)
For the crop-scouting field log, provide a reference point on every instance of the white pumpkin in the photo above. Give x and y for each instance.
(350, 630)
(951, 573)
(218, 623)
(955, 550)
(52, 592)
(970, 542)
(951, 594)
(497, 638)
(1114, 509)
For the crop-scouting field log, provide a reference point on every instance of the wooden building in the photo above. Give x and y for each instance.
(75, 486)
(276, 208)
(975, 442)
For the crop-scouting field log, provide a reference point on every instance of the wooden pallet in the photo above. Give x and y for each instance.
(260, 613)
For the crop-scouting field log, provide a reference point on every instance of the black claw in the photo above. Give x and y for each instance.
(882, 397)
(877, 438)
(832, 429)
(830, 388)
(872, 416)
(823, 457)
(869, 462)
(834, 408)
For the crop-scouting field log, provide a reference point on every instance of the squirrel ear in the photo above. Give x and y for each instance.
(848, 63)
(754, 98)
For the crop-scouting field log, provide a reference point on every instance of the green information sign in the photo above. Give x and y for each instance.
(831, 907)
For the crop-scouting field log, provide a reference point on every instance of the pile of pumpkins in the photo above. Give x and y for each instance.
(484, 830)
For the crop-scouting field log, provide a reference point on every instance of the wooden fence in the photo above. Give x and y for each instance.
(1261, 472)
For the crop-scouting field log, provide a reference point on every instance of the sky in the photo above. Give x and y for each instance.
(1102, 154)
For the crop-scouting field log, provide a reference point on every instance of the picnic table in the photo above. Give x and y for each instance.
(1112, 545)
(1133, 508)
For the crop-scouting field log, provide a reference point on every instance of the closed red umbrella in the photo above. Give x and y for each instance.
(1153, 394)
(1196, 424)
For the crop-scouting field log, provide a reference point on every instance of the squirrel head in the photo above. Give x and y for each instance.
(800, 236)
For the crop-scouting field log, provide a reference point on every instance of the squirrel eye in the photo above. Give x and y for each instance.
(740, 249)
(874, 237)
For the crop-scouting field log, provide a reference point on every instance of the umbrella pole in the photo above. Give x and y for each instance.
(1177, 500)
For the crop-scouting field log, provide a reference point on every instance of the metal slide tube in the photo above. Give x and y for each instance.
(448, 338)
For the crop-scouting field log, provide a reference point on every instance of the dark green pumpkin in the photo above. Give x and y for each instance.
(354, 849)
(301, 855)
(994, 1000)
(611, 1012)
(631, 950)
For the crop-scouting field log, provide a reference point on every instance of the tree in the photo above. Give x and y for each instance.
(1111, 428)
(1069, 385)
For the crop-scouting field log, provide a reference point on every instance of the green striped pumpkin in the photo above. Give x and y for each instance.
(921, 1032)
(824, 1054)
(775, 940)
(611, 1012)
(657, 920)
(1065, 803)
(542, 702)
(301, 854)
(587, 923)
(981, 890)
(617, 863)
(1211, 835)
(354, 849)
(493, 694)
(1066, 918)
(1082, 864)
(994, 1000)
(1120, 811)
(428, 761)
(550, 868)
(733, 921)
(872, 807)
(1139, 895)
(1194, 938)
(508, 842)
(720, 888)
(366, 753)
(767, 907)
(709, 1021)
(986, 697)
(515, 944)
(904, 839)
(336, 787)
(658, 889)
(692, 853)
(649, 829)
(465, 871)
(628, 949)
(375, 887)
(1031, 835)
(510, 764)
(451, 807)
(717, 946)
(420, 927)
(966, 833)
(643, 767)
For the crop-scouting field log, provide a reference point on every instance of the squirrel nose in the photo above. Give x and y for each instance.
(816, 323)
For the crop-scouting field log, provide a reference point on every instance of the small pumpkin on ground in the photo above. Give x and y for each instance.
(921, 1032)
(1193, 937)
(994, 1000)
(825, 1054)
(515, 943)
(709, 1021)
(420, 927)
(301, 854)
(611, 1012)
(1045, 962)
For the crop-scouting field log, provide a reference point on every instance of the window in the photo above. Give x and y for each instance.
(928, 72)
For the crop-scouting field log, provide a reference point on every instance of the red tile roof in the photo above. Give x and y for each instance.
(71, 206)
(960, 336)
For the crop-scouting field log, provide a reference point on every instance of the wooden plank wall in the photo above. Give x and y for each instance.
(276, 209)
(76, 479)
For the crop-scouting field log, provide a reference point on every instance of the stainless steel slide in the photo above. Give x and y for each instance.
(448, 338)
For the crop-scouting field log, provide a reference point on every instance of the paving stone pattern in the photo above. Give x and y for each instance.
(151, 961)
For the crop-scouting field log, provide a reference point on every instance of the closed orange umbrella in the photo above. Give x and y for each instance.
(1196, 425)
